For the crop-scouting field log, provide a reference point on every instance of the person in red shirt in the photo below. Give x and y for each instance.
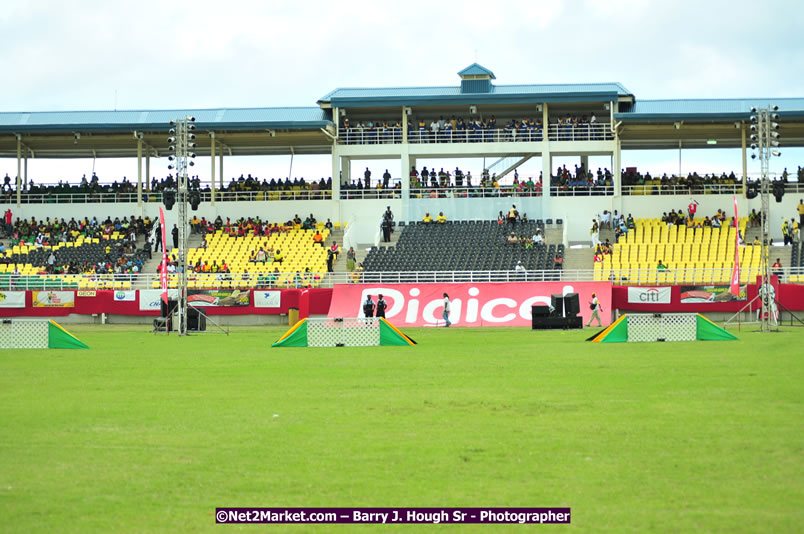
(692, 208)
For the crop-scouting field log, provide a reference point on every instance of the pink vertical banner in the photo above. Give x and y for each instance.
(163, 270)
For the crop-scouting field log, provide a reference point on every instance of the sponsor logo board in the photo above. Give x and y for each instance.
(490, 304)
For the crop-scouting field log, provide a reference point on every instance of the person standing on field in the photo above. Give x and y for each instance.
(368, 307)
(381, 305)
(446, 310)
(596, 307)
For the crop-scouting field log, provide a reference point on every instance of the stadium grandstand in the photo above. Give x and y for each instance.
(509, 125)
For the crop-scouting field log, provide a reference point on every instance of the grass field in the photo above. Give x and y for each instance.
(150, 434)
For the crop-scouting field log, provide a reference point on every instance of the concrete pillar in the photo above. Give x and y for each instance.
(212, 167)
(547, 165)
(585, 163)
(617, 171)
(745, 160)
(545, 120)
(336, 172)
(139, 173)
(346, 168)
(25, 167)
(404, 167)
(19, 170)
(148, 170)
(404, 127)
(220, 168)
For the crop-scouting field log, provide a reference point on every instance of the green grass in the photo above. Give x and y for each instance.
(150, 434)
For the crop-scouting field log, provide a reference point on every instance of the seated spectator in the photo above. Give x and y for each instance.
(318, 238)
(335, 249)
(501, 218)
(618, 233)
(716, 222)
(661, 266)
(441, 218)
(537, 237)
(629, 222)
(261, 256)
(512, 239)
(427, 219)
(328, 224)
(558, 261)
(278, 256)
(598, 257)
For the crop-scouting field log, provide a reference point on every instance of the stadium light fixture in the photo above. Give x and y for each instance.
(711, 141)
(776, 153)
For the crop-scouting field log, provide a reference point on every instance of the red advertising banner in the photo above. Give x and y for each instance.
(471, 304)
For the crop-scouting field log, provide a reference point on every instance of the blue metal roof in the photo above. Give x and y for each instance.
(476, 70)
(499, 94)
(708, 109)
(224, 118)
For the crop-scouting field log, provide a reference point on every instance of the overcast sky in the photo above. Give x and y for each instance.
(132, 55)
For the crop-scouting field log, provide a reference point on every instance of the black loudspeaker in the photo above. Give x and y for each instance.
(752, 190)
(537, 313)
(551, 323)
(196, 322)
(557, 302)
(169, 308)
(167, 311)
(572, 304)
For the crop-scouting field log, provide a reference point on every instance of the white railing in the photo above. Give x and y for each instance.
(416, 135)
(359, 194)
(706, 189)
(598, 131)
(206, 196)
(581, 190)
(472, 192)
(618, 276)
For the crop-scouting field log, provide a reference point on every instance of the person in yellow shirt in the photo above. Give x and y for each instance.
(800, 208)
(441, 219)
(278, 257)
(427, 218)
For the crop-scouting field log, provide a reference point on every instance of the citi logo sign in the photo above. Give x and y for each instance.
(651, 295)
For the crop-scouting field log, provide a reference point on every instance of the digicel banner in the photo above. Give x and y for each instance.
(489, 304)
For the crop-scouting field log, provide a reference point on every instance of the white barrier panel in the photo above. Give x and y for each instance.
(662, 327)
(343, 332)
(24, 334)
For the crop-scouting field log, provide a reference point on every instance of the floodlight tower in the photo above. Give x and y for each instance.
(765, 142)
(182, 146)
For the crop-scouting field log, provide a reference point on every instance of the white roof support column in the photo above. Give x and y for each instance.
(19, 170)
(220, 168)
(346, 168)
(547, 157)
(336, 173)
(617, 170)
(405, 128)
(25, 167)
(212, 167)
(148, 169)
(139, 171)
(405, 166)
